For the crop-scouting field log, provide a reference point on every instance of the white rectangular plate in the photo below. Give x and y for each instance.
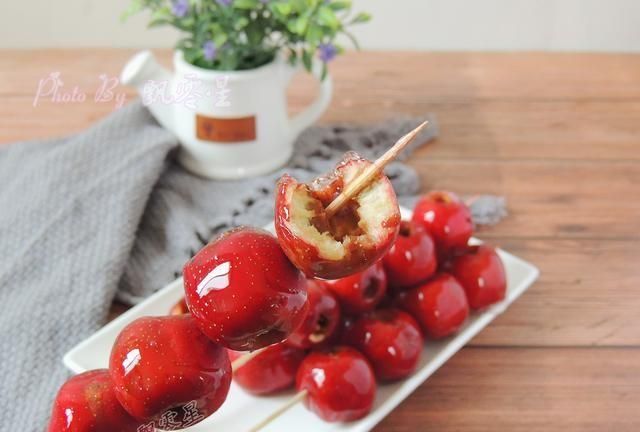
(241, 411)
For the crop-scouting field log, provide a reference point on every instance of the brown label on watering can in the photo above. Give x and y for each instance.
(226, 130)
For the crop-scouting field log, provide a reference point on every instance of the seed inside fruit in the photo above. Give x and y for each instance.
(343, 223)
(320, 332)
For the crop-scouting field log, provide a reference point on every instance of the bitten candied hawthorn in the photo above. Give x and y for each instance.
(243, 292)
(354, 238)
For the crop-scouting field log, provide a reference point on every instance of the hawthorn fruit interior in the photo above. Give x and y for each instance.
(361, 222)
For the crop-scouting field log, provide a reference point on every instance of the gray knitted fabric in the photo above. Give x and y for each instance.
(185, 211)
(487, 209)
(69, 209)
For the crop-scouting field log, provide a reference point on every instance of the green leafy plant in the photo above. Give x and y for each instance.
(245, 34)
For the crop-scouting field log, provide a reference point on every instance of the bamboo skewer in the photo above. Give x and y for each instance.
(277, 413)
(360, 182)
(244, 359)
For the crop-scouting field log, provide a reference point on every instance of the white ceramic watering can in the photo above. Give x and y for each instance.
(231, 124)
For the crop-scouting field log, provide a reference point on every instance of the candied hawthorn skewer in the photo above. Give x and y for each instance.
(342, 223)
(171, 376)
(352, 177)
(219, 305)
(165, 340)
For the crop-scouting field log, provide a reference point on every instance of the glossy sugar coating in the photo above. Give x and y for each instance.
(448, 220)
(439, 305)
(165, 371)
(481, 273)
(243, 291)
(340, 384)
(390, 339)
(87, 403)
(412, 258)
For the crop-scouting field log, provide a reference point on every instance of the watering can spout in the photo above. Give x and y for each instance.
(141, 69)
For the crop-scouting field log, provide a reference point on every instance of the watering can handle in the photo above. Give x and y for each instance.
(312, 113)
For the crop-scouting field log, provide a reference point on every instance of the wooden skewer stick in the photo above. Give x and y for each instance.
(360, 182)
(277, 413)
(244, 359)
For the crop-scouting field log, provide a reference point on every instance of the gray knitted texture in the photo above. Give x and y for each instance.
(69, 210)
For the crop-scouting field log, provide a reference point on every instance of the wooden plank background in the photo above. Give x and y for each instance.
(559, 136)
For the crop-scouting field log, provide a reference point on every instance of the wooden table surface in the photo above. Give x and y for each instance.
(559, 136)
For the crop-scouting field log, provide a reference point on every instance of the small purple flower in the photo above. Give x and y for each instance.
(224, 2)
(210, 50)
(180, 8)
(327, 52)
